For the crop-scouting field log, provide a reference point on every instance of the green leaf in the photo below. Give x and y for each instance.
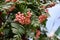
(14, 30)
(6, 32)
(17, 29)
(21, 7)
(17, 37)
(21, 30)
(15, 25)
(35, 23)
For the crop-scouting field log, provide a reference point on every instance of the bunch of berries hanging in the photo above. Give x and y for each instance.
(38, 32)
(42, 18)
(21, 18)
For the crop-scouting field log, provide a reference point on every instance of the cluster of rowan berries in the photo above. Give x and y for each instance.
(21, 18)
(42, 18)
(10, 0)
(38, 34)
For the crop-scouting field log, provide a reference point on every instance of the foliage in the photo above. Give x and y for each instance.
(13, 30)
